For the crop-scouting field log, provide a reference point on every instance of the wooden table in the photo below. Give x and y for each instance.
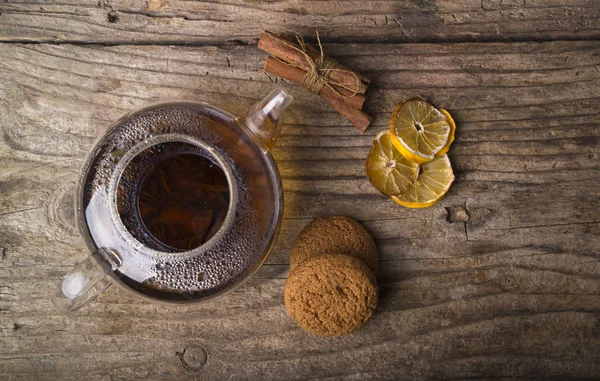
(499, 280)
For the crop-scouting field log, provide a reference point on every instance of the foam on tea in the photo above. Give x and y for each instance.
(173, 197)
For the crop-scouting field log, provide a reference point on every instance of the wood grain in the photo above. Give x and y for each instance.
(509, 289)
(238, 21)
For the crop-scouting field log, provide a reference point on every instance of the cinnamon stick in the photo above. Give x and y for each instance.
(354, 100)
(358, 118)
(280, 47)
(296, 75)
(345, 106)
(345, 92)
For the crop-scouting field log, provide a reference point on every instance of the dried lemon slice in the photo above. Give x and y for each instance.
(389, 171)
(452, 125)
(432, 184)
(418, 130)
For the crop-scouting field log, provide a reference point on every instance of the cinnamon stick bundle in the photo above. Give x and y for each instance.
(303, 64)
(349, 108)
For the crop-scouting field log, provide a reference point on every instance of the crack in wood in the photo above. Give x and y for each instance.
(547, 225)
(20, 210)
(203, 41)
(166, 15)
(41, 165)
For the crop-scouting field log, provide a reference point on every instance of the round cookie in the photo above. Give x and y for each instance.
(331, 294)
(334, 234)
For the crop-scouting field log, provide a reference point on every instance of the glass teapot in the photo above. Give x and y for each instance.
(178, 202)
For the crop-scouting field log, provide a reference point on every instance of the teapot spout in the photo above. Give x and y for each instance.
(264, 118)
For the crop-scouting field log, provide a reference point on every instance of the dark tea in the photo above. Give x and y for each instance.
(180, 197)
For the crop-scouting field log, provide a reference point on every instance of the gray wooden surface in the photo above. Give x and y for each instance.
(240, 21)
(499, 280)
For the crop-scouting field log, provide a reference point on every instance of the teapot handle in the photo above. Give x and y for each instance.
(86, 281)
(264, 118)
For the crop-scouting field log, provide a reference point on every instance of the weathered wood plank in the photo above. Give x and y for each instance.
(514, 292)
(180, 21)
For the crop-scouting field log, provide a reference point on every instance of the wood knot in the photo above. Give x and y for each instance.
(479, 214)
(61, 213)
(509, 283)
(113, 16)
(463, 214)
(193, 358)
(457, 214)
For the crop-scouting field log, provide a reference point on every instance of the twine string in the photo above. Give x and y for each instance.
(320, 69)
